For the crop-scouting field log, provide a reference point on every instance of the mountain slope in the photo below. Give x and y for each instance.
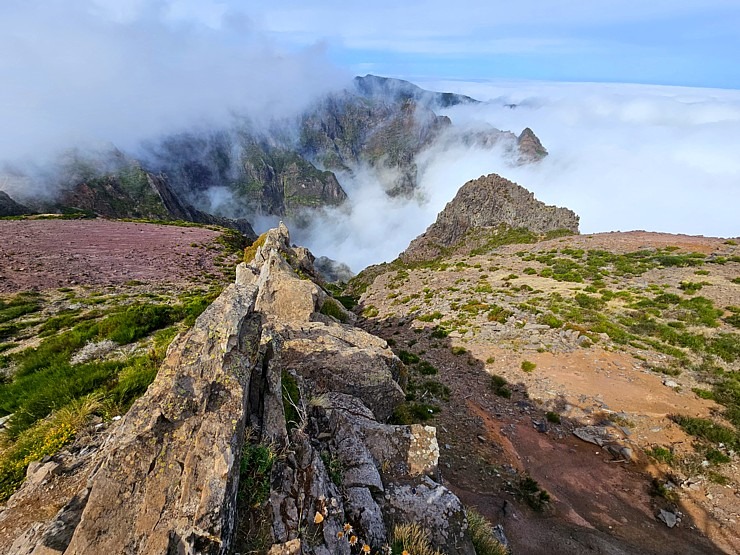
(602, 369)
(134, 193)
(485, 206)
(8, 207)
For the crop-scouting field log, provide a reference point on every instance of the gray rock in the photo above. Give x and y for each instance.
(488, 202)
(344, 359)
(435, 509)
(168, 478)
(362, 509)
(668, 518)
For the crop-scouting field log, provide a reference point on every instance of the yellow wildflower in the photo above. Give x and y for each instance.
(319, 518)
(353, 540)
(366, 548)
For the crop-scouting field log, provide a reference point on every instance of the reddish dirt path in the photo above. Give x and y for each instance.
(46, 254)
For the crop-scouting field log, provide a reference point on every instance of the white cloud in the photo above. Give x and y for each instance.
(622, 156)
(88, 72)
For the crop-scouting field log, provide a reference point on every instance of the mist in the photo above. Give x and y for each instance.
(95, 76)
(623, 157)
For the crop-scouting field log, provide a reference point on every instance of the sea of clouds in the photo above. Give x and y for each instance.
(622, 156)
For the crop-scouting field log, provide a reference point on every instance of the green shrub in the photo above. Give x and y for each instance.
(703, 393)
(439, 333)
(19, 305)
(499, 385)
(661, 454)
(706, 429)
(137, 321)
(498, 314)
(413, 412)
(458, 350)
(333, 308)
(716, 456)
(690, 287)
(255, 468)
(481, 533)
(528, 366)
(553, 417)
(529, 490)
(408, 358)
(436, 315)
(425, 368)
(549, 319)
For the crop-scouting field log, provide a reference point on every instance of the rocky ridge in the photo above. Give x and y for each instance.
(275, 366)
(135, 193)
(487, 203)
(239, 170)
(8, 207)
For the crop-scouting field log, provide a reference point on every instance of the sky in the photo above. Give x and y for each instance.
(637, 102)
(684, 42)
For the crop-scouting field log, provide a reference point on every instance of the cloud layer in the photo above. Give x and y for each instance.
(622, 156)
(89, 72)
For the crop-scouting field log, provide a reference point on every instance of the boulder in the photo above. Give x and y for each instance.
(344, 359)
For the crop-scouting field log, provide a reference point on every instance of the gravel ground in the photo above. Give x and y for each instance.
(46, 254)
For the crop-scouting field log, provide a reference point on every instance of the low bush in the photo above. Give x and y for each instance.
(254, 474)
(528, 366)
(481, 532)
(706, 429)
(499, 385)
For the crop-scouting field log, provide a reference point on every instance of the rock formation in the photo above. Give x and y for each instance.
(8, 207)
(488, 202)
(135, 193)
(530, 147)
(274, 364)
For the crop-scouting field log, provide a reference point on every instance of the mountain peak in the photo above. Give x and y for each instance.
(488, 202)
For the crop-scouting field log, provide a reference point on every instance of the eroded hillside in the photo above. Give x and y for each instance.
(585, 387)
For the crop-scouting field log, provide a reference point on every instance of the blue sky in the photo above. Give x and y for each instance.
(684, 42)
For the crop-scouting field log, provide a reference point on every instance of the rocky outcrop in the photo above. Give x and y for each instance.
(488, 202)
(8, 207)
(263, 370)
(135, 193)
(280, 182)
(530, 148)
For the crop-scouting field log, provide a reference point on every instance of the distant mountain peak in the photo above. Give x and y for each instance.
(398, 89)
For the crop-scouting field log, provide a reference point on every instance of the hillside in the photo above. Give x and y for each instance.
(238, 171)
(602, 367)
(264, 427)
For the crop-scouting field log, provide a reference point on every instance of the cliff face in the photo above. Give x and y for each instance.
(265, 426)
(488, 202)
(135, 193)
(8, 207)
